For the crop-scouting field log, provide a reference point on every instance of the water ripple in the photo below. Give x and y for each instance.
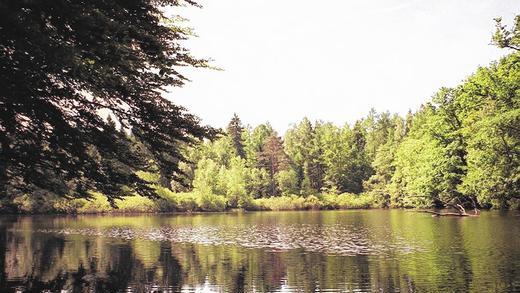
(330, 239)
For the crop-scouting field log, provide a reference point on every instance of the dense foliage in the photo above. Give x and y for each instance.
(63, 64)
(462, 147)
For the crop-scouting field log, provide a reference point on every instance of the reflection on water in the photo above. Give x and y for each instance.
(331, 239)
(328, 251)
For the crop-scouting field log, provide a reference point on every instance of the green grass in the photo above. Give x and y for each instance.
(169, 201)
(326, 201)
(348, 201)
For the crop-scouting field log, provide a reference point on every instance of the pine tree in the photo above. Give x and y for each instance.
(273, 159)
(234, 131)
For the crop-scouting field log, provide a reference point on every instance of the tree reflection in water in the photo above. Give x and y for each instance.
(454, 256)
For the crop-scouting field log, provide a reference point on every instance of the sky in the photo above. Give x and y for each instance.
(332, 60)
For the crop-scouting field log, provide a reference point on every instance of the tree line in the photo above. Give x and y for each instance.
(461, 147)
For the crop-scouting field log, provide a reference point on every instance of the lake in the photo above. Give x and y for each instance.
(307, 251)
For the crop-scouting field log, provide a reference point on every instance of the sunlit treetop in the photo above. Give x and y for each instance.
(507, 38)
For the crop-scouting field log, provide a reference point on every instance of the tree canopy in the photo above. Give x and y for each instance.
(63, 64)
(460, 148)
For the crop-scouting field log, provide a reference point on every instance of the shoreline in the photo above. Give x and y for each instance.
(192, 204)
(230, 212)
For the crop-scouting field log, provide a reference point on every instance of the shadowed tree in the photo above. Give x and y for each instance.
(234, 131)
(62, 64)
(303, 149)
(273, 158)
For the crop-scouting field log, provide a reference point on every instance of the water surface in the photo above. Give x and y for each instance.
(312, 251)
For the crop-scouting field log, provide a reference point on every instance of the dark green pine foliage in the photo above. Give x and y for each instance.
(447, 131)
(64, 62)
(234, 131)
(273, 158)
(304, 151)
(360, 170)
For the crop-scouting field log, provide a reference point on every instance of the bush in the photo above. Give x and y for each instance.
(97, 204)
(169, 201)
(136, 204)
(191, 201)
(348, 201)
(209, 202)
(288, 202)
(38, 201)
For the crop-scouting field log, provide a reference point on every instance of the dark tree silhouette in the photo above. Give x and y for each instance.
(62, 63)
(234, 130)
(273, 158)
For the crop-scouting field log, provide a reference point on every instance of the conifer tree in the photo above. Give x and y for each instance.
(234, 131)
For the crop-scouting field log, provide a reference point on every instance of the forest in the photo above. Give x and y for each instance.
(462, 147)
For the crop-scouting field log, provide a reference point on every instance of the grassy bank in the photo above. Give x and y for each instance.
(169, 201)
(319, 202)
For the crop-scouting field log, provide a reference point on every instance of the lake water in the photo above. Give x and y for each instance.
(311, 251)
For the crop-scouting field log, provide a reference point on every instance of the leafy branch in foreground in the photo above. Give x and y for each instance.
(63, 64)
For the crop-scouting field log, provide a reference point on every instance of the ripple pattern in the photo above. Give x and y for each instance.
(330, 239)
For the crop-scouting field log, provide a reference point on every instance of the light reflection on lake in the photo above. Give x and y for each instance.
(314, 251)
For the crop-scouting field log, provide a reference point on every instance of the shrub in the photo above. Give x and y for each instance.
(210, 202)
(97, 204)
(348, 201)
(136, 204)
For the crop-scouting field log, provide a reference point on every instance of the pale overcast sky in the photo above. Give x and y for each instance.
(332, 60)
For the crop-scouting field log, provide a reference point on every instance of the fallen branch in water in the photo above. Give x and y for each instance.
(437, 214)
(461, 211)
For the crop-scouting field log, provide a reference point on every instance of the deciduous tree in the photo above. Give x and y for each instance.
(61, 63)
